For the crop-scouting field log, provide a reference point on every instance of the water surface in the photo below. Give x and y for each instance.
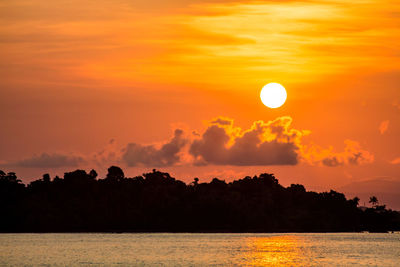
(166, 249)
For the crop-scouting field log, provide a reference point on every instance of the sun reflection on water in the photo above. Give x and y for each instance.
(274, 250)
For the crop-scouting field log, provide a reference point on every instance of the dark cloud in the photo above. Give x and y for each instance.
(332, 161)
(45, 160)
(222, 121)
(195, 133)
(271, 143)
(149, 155)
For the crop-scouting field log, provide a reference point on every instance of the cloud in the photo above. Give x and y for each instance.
(268, 143)
(353, 154)
(265, 143)
(44, 160)
(149, 155)
(395, 161)
(222, 121)
(383, 126)
(273, 142)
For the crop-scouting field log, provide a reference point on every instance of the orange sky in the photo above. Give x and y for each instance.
(77, 74)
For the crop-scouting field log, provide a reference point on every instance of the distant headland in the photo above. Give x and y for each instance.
(157, 202)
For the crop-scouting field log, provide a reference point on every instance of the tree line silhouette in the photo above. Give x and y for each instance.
(156, 202)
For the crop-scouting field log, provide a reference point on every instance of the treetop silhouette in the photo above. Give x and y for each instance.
(155, 201)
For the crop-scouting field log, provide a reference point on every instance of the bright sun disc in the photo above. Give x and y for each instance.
(273, 95)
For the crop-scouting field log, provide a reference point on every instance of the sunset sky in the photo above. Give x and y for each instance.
(175, 85)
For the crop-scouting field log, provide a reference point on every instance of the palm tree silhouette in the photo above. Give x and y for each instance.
(373, 200)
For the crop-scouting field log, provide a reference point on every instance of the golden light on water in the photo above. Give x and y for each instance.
(275, 251)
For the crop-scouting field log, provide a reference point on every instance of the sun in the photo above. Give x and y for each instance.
(273, 95)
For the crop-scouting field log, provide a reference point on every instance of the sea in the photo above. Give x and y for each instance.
(200, 249)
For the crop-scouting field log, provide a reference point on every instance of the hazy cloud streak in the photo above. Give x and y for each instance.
(45, 160)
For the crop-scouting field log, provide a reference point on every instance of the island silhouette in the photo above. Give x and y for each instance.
(157, 202)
